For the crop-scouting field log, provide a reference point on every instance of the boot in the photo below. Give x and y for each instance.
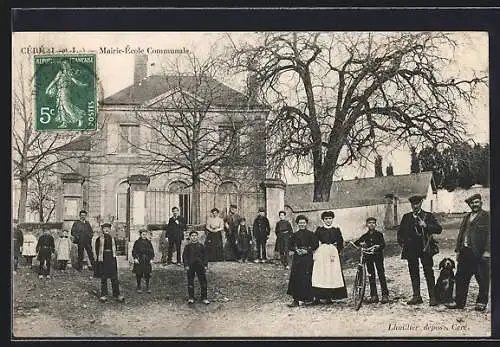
(415, 300)
(385, 299)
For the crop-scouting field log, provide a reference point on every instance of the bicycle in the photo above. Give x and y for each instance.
(358, 289)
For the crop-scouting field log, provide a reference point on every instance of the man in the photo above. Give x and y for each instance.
(473, 254)
(231, 222)
(261, 231)
(82, 235)
(106, 264)
(415, 237)
(18, 244)
(175, 233)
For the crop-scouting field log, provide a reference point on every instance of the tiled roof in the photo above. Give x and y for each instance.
(81, 143)
(206, 88)
(358, 192)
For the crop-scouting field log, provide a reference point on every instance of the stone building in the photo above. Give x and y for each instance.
(113, 180)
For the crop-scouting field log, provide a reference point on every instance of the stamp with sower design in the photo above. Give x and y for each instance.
(65, 92)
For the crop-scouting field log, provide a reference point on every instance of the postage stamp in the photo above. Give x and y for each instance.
(65, 92)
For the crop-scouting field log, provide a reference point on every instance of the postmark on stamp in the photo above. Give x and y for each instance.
(65, 92)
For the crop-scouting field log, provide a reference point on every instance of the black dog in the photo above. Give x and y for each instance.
(446, 281)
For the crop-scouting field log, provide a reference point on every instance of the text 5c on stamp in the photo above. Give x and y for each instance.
(65, 92)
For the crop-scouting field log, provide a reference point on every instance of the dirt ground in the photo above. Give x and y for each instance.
(246, 300)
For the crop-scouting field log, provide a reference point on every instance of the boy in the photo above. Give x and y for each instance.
(195, 262)
(45, 248)
(283, 231)
(261, 230)
(143, 254)
(244, 241)
(105, 248)
(374, 238)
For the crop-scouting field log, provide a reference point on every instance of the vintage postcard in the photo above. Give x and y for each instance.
(250, 184)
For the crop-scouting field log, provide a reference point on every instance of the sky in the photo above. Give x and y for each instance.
(115, 70)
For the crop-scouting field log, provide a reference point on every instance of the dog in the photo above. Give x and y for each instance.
(446, 281)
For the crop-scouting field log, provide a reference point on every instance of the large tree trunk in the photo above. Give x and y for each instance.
(23, 197)
(40, 211)
(195, 202)
(323, 175)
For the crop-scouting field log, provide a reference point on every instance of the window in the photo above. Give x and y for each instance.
(230, 138)
(129, 138)
(121, 202)
(227, 194)
(180, 197)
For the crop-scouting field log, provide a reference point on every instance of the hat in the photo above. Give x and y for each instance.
(141, 230)
(416, 199)
(371, 219)
(261, 209)
(106, 225)
(472, 198)
(233, 206)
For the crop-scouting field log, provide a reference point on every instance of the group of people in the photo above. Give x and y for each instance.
(316, 274)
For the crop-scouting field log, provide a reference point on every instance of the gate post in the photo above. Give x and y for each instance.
(275, 202)
(138, 216)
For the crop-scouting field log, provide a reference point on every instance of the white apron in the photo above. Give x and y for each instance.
(327, 271)
(29, 245)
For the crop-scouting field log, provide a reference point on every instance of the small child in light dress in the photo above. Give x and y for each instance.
(63, 250)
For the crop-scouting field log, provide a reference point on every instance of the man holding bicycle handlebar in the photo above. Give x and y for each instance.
(415, 237)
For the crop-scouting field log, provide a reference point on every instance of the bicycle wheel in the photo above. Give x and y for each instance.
(358, 289)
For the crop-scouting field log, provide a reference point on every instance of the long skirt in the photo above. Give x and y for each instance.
(213, 246)
(299, 284)
(327, 277)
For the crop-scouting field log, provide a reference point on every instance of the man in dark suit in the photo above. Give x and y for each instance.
(82, 235)
(415, 237)
(175, 233)
(473, 254)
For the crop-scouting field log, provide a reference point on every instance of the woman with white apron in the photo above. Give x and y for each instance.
(327, 278)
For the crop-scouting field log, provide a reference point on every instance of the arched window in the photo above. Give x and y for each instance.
(227, 194)
(121, 201)
(180, 196)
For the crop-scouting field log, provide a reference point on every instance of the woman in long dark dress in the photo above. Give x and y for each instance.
(327, 278)
(213, 233)
(302, 243)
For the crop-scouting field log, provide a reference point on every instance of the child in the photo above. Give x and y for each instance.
(283, 231)
(195, 262)
(45, 248)
(143, 254)
(244, 240)
(63, 249)
(29, 247)
(105, 248)
(374, 238)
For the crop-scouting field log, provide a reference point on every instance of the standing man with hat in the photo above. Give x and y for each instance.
(261, 231)
(231, 222)
(473, 254)
(82, 235)
(415, 237)
(175, 233)
(106, 265)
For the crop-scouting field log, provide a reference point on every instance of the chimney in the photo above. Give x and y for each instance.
(140, 67)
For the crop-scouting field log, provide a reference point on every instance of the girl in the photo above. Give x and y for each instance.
(213, 233)
(143, 254)
(283, 231)
(327, 277)
(302, 243)
(63, 249)
(29, 247)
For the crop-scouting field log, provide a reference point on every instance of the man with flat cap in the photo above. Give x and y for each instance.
(415, 236)
(231, 222)
(82, 235)
(473, 254)
(106, 265)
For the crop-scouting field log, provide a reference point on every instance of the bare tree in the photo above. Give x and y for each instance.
(339, 96)
(41, 198)
(201, 129)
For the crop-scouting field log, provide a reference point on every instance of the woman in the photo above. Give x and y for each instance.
(302, 243)
(327, 277)
(60, 88)
(213, 233)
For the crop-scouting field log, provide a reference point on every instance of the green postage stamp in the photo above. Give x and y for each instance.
(65, 92)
